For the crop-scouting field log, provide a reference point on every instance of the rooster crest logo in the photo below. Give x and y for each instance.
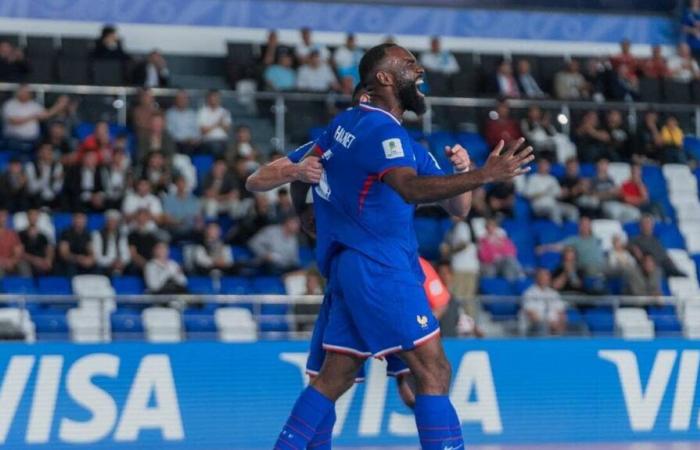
(422, 321)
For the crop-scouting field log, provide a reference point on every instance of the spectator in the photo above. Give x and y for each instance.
(672, 142)
(142, 239)
(243, 146)
(38, 251)
(152, 72)
(544, 193)
(438, 60)
(22, 114)
(276, 247)
(569, 84)
(500, 200)
(610, 196)
(44, 177)
(272, 49)
(220, 190)
(569, 277)
(682, 66)
(13, 64)
(506, 82)
(527, 82)
(690, 26)
(281, 76)
(619, 259)
(181, 123)
(163, 275)
(619, 147)
(212, 256)
(459, 249)
(182, 211)
(544, 310)
(117, 180)
(625, 84)
(634, 192)
(497, 254)
(577, 190)
(111, 246)
(305, 50)
(109, 45)
(99, 143)
(540, 133)
(625, 57)
(75, 248)
(84, 185)
(647, 244)
(649, 142)
(157, 170)
(500, 125)
(656, 66)
(214, 124)
(14, 187)
(316, 75)
(155, 139)
(142, 198)
(283, 206)
(644, 280)
(58, 139)
(145, 107)
(262, 215)
(11, 250)
(591, 139)
(587, 248)
(347, 59)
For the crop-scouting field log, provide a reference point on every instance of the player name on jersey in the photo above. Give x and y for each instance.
(343, 137)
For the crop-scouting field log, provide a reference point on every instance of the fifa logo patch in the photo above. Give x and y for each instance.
(392, 148)
(422, 321)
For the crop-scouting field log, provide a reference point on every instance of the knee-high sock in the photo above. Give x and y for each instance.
(308, 412)
(324, 433)
(437, 422)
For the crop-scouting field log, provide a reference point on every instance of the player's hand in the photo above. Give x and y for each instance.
(503, 165)
(459, 157)
(310, 170)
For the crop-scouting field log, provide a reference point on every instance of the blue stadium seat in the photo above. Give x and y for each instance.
(199, 325)
(631, 228)
(495, 286)
(558, 170)
(235, 286)
(546, 231)
(200, 285)
(128, 285)
(696, 258)
(669, 235)
(306, 256)
(520, 286)
(475, 144)
(126, 325)
(176, 254)
(691, 144)
(522, 210)
(241, 254)
(666, 325)
(574, 317)
(437, 142)
(273, 317)
(202, 164)
(569, 229)
(268, 285)
(18, 285)
(549, 260)
(429, 234)
(5, 158)
(416, 134)
(95, 222)
(51, 326)
(61, 221)
(587, 170)
(600, 321)
(54, 286)
(522, 237)
(615, 286)
(665, 288)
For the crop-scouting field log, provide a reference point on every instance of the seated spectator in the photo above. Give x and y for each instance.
(272, 49)
(599, 74)
(182, 212)
(569, 277)
(44, 177)
(13, 64)
(625, 57)
(111, 246)
(142, 239)
(22, 115)
(577, 190)
(591, 139)
(540, 133)
(634, 192)
(141, 113)
(84, 185)
(610, 196)
(648, 244)
(281, 76)
(642, 280)
(151, 72)
(181, 123)
(162, 275)
(545, 311)
(117, 179)
(304, 50)
(283, 205)
(305, 313)
(276, 247)
(506, 82)
(649, 142)
(316, 75)
(212, 256)
(109, 45)
(625, 84)
(656, 66)
(243, 146)
(14, 187)
(619, 259)
(220, 190)
(587, 248)
(497, 254)
(500, 200)
(142, 198)
(157, 170)
(672, 141)
(57, 137)
(39, 252)
(500, 125)
(619, 147)
(347, 59)
(544, 192)
(75, 251)
(527, 82)
(214, 124)
(569, 84)
(11, 250)
(690, 26)
(262, 215)
(99, 143)
(438, 60)
(459, 249)
(155, 139)
(682, 66)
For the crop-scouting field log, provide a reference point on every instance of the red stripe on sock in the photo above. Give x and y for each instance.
(318, 444)
(297, 431)
(303, 423)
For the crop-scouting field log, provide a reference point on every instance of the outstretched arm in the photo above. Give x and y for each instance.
(283, 171)
(460, 204)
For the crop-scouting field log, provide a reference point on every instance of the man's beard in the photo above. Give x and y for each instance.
(409, 97)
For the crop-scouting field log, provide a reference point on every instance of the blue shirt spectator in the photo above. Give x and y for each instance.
(181, 120)
(347, 60)
(281, 76)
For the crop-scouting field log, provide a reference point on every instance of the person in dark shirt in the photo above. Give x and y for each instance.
(57, 136)
(501, 198)
(142, 239)
(13, 64)
(14, 187)
(38, 252)
(619, 148)
(647, 244)
(109, 45)
(85, 185)
(569, 277)
(577, 190)
(75, 248)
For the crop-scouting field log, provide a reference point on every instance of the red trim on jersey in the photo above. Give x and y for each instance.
(317, 150)
(366, 186)
(380, 177)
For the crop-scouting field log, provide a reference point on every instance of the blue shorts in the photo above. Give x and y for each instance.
(376, 310)
(395, 365)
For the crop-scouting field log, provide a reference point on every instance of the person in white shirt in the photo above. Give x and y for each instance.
(682, 66)
(438, 60)
(544, 191)
(543, 309)
(142, 198)
(44, 176)
(163, 275)
(347, 59)
(181, 123)
(316, 75)
(212, 254)
(304, 50)
(214, 123)
(21, 115)
(459, 248)
(111, 245)
(619, 259)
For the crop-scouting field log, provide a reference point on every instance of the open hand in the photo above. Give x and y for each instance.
(504, 165)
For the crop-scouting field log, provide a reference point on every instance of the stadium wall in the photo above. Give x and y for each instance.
(215, 395)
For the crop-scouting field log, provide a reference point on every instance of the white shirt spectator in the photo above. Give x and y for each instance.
(45, 180)
(271, 241)
(347, 59)
(319, 78)
(208, 117)
(20, 222)
(156, 274)
(683, 70)
(542, 189)
(14, 109)
(467, 259)
(204, 258)
(182, 124)
(107, 253)
(543, 302)
(303, 51)
(443, 62)
(133, 202)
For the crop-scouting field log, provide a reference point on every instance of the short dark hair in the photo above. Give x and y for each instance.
(371, 59)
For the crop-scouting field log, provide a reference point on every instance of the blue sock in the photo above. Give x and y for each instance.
(308, 412)
(437, 422)
(324, 433)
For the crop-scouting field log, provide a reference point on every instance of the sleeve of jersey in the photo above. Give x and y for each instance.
(298, 154)
(426, 164)
(389, 148)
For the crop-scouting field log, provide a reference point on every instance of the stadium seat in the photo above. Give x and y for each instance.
(200, 285)
(306, 256)
(199, 325)
(495, 286)
(51, 285)
(236, 286)
(51, 326)
(666, 322)
(605, 230)
(61, 221)
(633, 323)
(235, 325)
(128, 285)
(95, 293)
(669, 235)
(20, 319)
(549, 260)
(95, 222)
(88, 325)
(126, 325)
(614, 285)
(162, 324)
(295, 284)
(619, 172)
(574, 318)
(202, 164)
(691, 320)
(17, 285)
(691, 144)
(476, 146)
(600, 321)
(545, 232)
(520, 286)
(241, 254)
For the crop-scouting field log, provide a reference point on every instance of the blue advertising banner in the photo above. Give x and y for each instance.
(215, 395)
